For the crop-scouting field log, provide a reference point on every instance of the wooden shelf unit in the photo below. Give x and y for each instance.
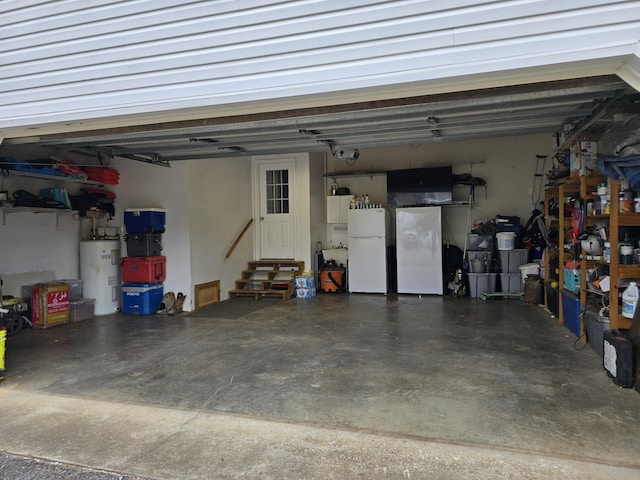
(581, 187)
(571, 188)
(616, 270)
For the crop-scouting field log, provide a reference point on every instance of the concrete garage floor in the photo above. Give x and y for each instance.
(339, 386)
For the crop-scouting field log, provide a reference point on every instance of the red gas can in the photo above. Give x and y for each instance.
(144, 269)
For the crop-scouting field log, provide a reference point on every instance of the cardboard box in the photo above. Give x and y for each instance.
(49, 304)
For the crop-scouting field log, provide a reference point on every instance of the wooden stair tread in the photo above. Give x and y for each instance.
(277, 272)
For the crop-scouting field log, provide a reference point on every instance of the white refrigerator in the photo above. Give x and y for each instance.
(419, 250)
(367, 231)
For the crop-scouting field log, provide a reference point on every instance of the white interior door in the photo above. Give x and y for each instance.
(277, 226)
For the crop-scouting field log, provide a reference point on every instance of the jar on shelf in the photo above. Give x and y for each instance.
(626, 204)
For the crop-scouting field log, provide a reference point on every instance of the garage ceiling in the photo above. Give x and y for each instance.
(543, 108)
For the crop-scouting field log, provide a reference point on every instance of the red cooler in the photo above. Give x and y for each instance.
(144, 269)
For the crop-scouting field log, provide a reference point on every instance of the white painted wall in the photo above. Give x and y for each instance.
(207, 204)
(38, 247)
(220, 205)
(89, 64)
(508, 166)
(143, 185)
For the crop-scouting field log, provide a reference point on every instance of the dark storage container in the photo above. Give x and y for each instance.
(618, 357)
(143, 244)
(552, 298)
(595, 326)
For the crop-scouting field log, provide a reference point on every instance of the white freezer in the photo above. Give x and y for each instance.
(419, 250)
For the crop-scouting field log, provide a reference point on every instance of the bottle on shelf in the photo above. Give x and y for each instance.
(629, 300)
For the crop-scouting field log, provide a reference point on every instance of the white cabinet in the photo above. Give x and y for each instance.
(338, 208)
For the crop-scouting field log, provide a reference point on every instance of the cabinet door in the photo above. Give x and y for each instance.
(338, 208)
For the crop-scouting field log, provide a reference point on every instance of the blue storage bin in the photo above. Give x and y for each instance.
(144, 220)
(571, 312)
(141, 298)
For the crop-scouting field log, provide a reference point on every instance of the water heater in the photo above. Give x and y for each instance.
(100, 273)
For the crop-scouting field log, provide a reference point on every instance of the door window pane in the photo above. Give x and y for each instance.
(277, 191)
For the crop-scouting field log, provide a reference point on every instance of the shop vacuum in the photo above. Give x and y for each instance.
(332, 278)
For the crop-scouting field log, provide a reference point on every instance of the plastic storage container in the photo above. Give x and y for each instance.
(510, 260)
(509, 227)
(143, 244)
(481, 283)
(141, 298)
(571, 312)
(479, 261)
(480, 242)
(529, 269)
(81, 309)
(595, 326)
(629, 300)
(511, 283)
(506, 240)
(144, 220)
(571, 279)
(144, 269)
(75, 287)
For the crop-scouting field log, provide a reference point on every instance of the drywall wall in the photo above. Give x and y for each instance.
(37, 247)
(143, 185)
(507, 164)
(220, 205)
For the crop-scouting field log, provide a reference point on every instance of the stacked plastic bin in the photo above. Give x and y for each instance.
(511, 276)
(144, 268)
(479, 258)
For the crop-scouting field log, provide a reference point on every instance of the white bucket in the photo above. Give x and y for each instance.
(529, 269)
(506, 240)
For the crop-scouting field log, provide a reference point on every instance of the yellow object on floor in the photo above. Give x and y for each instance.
(3, 337)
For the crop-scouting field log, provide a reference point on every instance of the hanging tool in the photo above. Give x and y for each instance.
(577, 225)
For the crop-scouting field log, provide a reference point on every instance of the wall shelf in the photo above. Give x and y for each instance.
(51, 178)
(373, 173)
(4, 211)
